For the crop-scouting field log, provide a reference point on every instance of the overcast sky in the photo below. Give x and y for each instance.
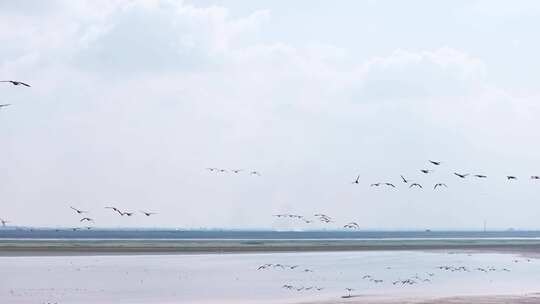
(132, 100)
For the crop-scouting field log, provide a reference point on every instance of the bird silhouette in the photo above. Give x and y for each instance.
(78, 211)
(255, 173)
(404, 179)
(535, 177)
(86, 219)
(375, 185)
(440, 185)
(461, 175)
(148, 213)
(480, 176)
(426, 171)
(16, 83)
(436, 163)
(511, 177)
(416, 185)
(357, 180)
(4, 105)
(390, 185)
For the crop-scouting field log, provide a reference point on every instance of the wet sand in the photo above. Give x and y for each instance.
(528, 247)
(516, 299)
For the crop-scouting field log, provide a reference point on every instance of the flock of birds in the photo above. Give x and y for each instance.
(427, 277)
(116, 210)
(412, 184)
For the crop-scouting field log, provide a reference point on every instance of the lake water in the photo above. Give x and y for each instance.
(234, 278)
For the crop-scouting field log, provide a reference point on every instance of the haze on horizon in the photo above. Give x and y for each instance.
(132, 100)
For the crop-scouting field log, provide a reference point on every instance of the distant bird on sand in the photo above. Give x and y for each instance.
(511, 177)
(78, 211)
(480, 176)
(436, 163)
(148, 213)
(416, 185)
(461, 175)
(16, 83)
(357, 180)
(4, 105)
(86, 219)
(440, 185)
(426, 171)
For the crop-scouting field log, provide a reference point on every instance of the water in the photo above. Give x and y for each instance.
(234, 278)
(260, 235)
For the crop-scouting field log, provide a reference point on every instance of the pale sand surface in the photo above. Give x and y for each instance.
(507, 299)
(234, 278)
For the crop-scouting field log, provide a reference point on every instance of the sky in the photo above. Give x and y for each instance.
(132, 100)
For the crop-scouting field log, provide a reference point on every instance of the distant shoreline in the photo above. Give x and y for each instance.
(25, 247)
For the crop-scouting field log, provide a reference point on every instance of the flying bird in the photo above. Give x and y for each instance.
(16, 83)
(128, 213)
(115, 209)
(440, 185)
(375, 185)
(461, 175)
(212, 169)
(426, 171)
(416, 185)
(535, 177)
(86, 219)
(480, 176)
(357, 180)
(352, 225)
(148, 213)
(237, 170)
(255, 173)
(436, 163)
(404, 179)
(511, 177)
(390, 185)
(78, 211)
(4, 105)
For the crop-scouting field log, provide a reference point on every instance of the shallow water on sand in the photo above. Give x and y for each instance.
(215, 278)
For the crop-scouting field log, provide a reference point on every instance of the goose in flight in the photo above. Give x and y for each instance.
(511, 177)
(440, 185)
(357, 180)
(426, 171)
(436, 163)
(78, 211)
(16, 83)
(128, 213)
(461, 175)
(480, 176)
(115, 209)
(352, 225)
(535, 177)
(390, 185)
(212, 169)
(255, 173)
(237, 170)
(86, 219)
(4, 105)
(148, 213)
(416, 185)
(375, 185)
(406, 181)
